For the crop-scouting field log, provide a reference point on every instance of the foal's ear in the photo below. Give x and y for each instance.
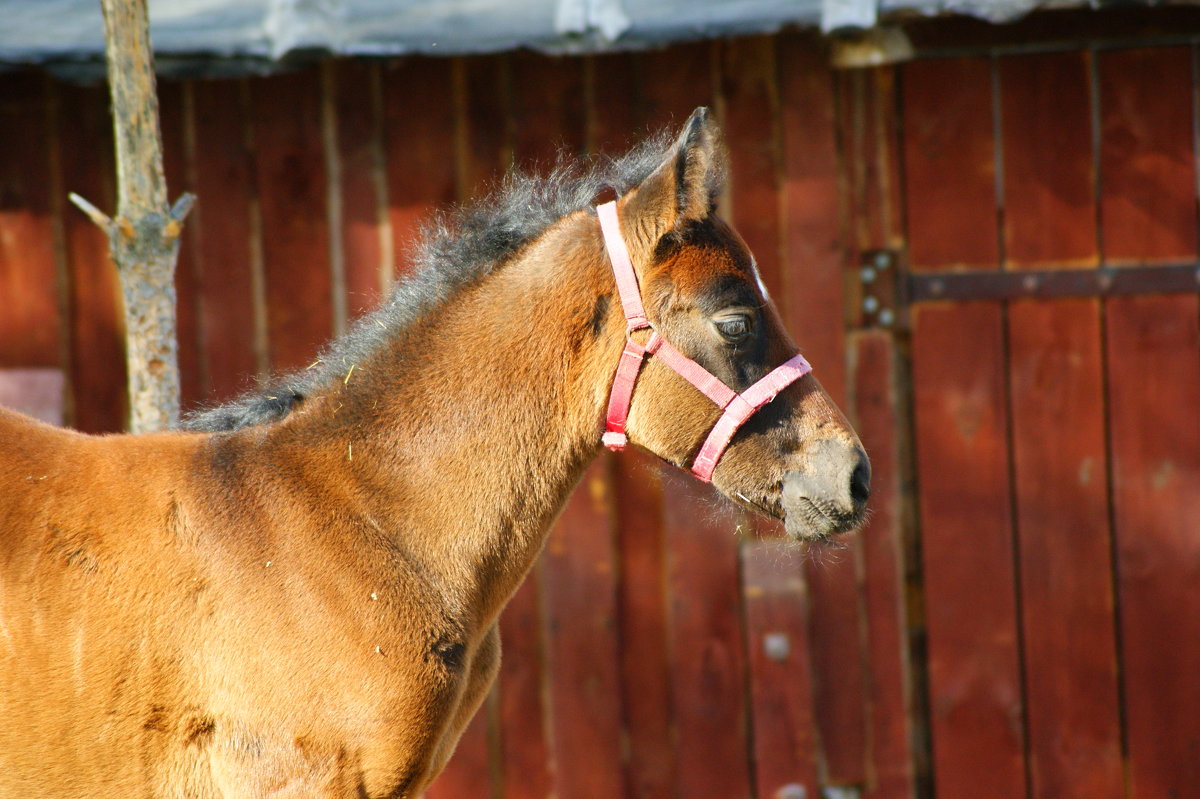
(682, 188)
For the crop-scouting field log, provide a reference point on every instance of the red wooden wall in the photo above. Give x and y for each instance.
(1017, 620)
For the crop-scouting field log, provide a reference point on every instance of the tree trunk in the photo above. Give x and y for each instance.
(144, 236)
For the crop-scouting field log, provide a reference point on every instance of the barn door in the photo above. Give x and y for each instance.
(1050, 205)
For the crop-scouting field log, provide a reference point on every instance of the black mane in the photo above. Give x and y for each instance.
(456, 248)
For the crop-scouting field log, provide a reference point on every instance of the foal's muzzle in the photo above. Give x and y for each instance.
(829, 495)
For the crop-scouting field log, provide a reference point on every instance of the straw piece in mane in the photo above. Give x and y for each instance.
(454, 250)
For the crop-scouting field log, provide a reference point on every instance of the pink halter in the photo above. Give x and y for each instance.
(738, 407)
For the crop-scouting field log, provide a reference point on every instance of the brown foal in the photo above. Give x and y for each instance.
(299, 596)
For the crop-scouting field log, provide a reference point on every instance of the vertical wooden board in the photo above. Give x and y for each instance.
(785, 739)
(173, 121)
(30, 322)
(674, 82)
(418, 147)
(1154, 391)
(578, 581)
(869, 121)
(707, 655)
(877, 418)
(967, 548)
(750, 94)
(291, 177)
(1062, 517)
(811, 299)
(1046, 134)
(526, 770)
(949, 163)
(97, 347)
(618, 117)
(1147, 174)
(468, 774)
(487, 140)
(1147, 204)
(549, 117)
(642, 614)
(356, 107)
(222, 225)
(813, 281)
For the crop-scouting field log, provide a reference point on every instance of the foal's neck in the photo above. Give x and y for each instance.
(463, 438)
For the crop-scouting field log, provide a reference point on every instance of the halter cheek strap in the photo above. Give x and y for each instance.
(737, 407)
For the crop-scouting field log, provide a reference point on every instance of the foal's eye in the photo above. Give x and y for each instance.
(734, 328)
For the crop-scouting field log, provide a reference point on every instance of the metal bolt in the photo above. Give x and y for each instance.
(883, 260)
(1030, 283)
(867, 274)
(777, 646)
(937, 287)
(791, 791)
(886, 317)
(870, 304)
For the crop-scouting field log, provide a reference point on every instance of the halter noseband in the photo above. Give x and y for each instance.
(737, 407)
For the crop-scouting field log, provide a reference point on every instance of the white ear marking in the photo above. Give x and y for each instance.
(758, 278)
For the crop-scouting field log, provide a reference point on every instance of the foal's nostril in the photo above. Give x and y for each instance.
(860, 481)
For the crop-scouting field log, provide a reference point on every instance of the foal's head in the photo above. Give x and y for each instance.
(797, 458)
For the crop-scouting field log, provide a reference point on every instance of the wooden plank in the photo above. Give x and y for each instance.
(781, 686)
(1154, 391)
(418, 147)
(643, 627)
(549, 117)
(224, 231)
(674, 82)
(291, 179)
(1049, 188)
(579, 594)
(811, 297)
(750, 97)
(877, 418)
(524, 746)
(486, 140)
(706, 644)
(1154, 431)
(618, 116)
(1068, 631)
(1067, 599)
(30, 326)
(949, 163)
(96, 337)
(813, 304)
(357, 108)
(1149, 186)
(967, 548)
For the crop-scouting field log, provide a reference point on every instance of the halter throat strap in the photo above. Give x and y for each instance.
(737, 407)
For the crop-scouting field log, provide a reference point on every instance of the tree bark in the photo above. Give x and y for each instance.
(144, 236)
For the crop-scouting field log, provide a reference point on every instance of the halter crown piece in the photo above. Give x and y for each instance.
(737, 407)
